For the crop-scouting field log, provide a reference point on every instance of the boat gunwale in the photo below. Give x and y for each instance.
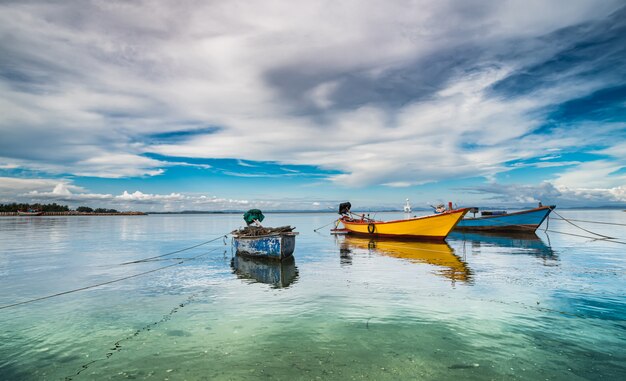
(283, 234)
(462, 210)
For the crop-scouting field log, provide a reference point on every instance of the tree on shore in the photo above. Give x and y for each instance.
(103, 210)
(49, 208)
(14, 207)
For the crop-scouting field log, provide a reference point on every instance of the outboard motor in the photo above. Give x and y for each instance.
(344, 208)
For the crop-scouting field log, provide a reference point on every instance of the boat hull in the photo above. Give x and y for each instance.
(434, 227)
(524, 221)
(274, 246)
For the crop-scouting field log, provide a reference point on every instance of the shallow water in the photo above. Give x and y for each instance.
(550, 306)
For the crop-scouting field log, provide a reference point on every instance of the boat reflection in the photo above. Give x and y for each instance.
(433, 253)
(280, 274)
(516, 243)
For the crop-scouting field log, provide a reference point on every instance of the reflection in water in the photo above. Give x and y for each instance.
(433, 253)
(277, 273)
(345, 253)
(517, 243)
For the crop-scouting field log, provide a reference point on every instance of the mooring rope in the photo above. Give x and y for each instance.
(598, 237)
(588, 236)
(105, 283)
(177, 251)
(331, 222)
(117, 346)
(592, 222)
(603, 238)
(588, 231)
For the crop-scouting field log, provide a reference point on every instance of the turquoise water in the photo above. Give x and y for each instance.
(544, 307)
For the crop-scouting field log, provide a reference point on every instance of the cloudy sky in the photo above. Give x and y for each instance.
(212, 105)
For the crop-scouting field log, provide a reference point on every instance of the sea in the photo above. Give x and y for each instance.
(150, 298)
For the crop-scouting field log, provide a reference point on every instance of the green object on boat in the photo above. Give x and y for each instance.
(253, 214)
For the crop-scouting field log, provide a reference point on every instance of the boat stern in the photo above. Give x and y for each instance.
(272, 247)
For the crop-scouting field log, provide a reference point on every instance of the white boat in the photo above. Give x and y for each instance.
(29, 212)
(407, 207)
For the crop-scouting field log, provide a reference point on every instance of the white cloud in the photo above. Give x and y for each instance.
(594, 196)
(518, 195)
(143, 197)
(244, 164)
(595, 174)
(399, 184)
(102, 76)
(320, 95)
(10, 186)
(119, 165)
(51, 190)
(61, 189)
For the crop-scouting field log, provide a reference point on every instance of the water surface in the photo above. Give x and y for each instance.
(545, 306)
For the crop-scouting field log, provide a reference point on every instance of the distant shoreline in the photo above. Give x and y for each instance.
(380, 210)
(15, 214)
(191, 212)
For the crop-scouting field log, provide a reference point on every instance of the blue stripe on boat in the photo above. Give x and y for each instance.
(527, 220)
(270, 246)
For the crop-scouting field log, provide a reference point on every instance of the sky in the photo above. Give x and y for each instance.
(300, 105)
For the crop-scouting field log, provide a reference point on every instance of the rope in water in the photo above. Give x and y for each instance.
(583, 229)
(596, 238)
(117, 346)
(587, 236)
(604, 238)
(331, 222)
(105, 283)
(175, 252)
(591, 222)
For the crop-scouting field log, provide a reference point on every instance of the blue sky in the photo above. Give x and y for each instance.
(301, 105)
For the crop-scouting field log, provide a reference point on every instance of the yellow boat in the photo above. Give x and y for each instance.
(433, 253)
(431, 227)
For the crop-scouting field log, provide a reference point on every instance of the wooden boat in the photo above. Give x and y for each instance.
(29, 213)
(276, 273)
(271, 243)
(431, 227)
(438, 254)
(526, 220)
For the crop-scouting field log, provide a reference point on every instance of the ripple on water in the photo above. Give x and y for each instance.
(478, 307)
